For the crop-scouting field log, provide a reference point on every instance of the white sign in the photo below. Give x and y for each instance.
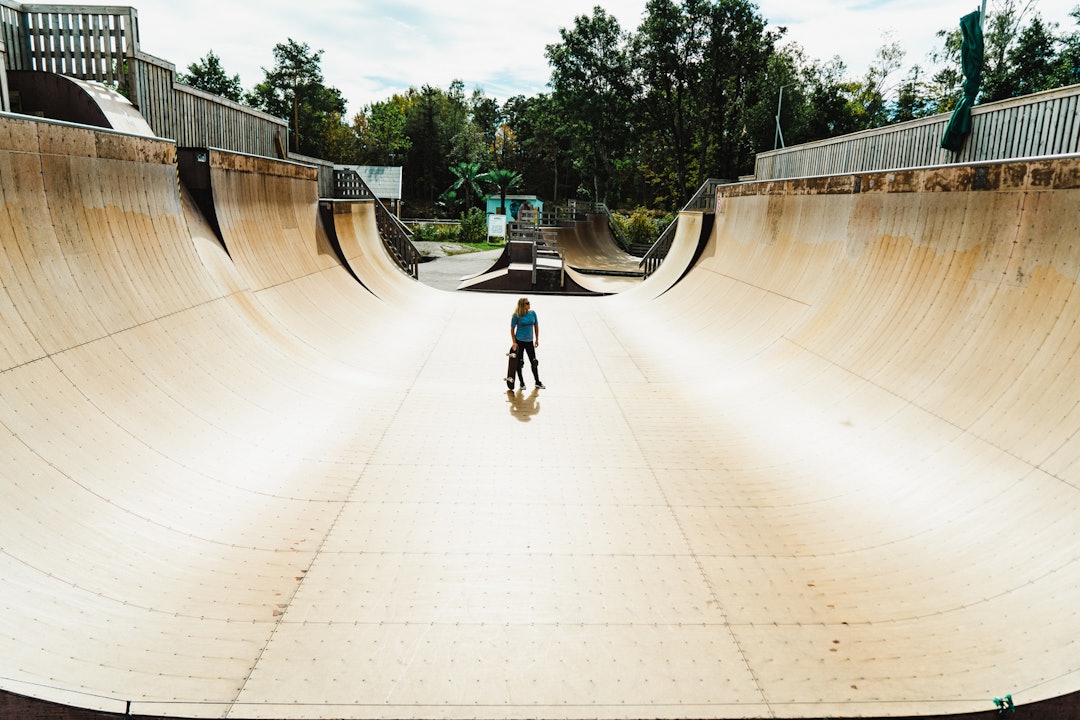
(497, 226)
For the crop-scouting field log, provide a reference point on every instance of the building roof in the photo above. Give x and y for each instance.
(513, 197)
(384, 180)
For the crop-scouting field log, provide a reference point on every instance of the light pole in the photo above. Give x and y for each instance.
(296, 112)
(778, 137)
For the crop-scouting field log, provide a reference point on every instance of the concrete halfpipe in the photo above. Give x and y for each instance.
(829, 470)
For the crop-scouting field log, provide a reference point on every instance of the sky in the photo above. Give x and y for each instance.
(375, 48)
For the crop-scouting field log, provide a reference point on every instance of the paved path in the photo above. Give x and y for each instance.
(445, 271)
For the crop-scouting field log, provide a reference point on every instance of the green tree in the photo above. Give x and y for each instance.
(1001, 30)
(1067, 67)
(710, 79)
(912, 97)
(592, 90)
(944, 85)
(468, 176)
(816, 96)
(871, 95)
(338, 142)
(472, 227)
(1032, 60)
(1019, 59)
(209, 75)
(736, 98)
(380, 129)
(542, 143)
(449, 201)
(487, 117)
(669, 63)
(441, 135)
(466, 137)
(294, 89)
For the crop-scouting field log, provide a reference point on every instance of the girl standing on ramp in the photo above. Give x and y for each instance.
(524, 338)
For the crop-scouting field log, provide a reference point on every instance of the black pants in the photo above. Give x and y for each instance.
(530, 348)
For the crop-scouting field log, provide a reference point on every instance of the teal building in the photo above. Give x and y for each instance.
(514, 205)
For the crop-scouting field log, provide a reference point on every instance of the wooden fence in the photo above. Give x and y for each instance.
(101, 43)
(90, 43)
(1046, 123)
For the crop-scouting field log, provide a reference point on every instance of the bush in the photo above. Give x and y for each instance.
(642, 227)
(473, 228)
(430, 232)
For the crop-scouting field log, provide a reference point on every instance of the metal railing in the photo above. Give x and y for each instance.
(1036, 125)
(703, 200)
(530, 227)
(616, 228)
(348, 185)
(578, 210)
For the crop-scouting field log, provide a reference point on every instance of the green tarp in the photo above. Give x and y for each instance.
(971, 58)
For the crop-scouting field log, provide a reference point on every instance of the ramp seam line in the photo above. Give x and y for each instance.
(767, 291)
(693, 554)
(345, 503)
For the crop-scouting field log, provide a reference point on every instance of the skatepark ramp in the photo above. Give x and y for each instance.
(574, 255)
(702, 200)
(829, 470)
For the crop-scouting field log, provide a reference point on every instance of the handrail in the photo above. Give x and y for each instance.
(703, 200)
(616, 228)
(578, 210)
(1036, 125)
(348, 185)
(530, 228)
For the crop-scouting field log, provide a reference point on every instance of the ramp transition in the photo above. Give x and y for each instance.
(829, 471)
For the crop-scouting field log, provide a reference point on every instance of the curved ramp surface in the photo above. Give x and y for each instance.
(830, 472)
(588, 246)
(366, 254)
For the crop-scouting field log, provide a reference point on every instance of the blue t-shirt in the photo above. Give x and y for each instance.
(524, 326)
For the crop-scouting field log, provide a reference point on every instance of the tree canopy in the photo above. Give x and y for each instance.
(640, 117)
(208, 74)
(294, 89)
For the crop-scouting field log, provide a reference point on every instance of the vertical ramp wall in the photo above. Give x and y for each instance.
(152, 416)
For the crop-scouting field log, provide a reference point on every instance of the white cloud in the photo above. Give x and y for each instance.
(373, 48)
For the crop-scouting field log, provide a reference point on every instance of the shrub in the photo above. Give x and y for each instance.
(433, 232)
(641, 227)
(473, 228)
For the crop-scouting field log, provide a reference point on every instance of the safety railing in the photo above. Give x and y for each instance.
(704, 200)
(1037, 125)
(348, 185)
(530, 227)
(101, 44)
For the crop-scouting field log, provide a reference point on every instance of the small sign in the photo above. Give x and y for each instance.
(497, 226)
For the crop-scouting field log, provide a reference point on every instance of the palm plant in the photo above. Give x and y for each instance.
(503, 180)
(468, 177)
(449, 201)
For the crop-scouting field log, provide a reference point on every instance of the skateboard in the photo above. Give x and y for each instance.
(511, 368)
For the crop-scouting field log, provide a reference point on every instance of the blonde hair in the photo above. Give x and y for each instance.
(521, 309)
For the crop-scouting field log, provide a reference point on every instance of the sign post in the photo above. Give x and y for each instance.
(496, 226)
